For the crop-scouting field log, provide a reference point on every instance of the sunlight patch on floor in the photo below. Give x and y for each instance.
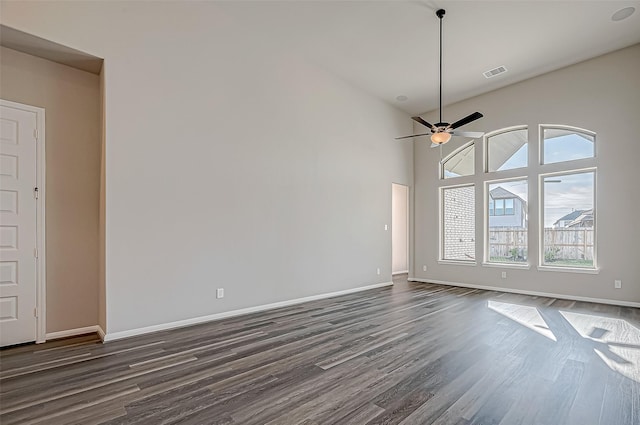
(616, 341)
(525, 315)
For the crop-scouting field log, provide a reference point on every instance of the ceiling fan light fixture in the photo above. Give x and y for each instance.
(441, 132)
(440, 138)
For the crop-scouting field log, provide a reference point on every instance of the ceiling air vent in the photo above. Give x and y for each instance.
(495, 71)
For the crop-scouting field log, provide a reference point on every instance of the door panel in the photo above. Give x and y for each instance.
(17, 225)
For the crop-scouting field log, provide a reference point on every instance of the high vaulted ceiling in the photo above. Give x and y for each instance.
(390, 48)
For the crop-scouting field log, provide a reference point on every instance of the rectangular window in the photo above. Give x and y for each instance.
(507, 233)
(458, 223)
(499, 206)
(568, 238)
(508, 206)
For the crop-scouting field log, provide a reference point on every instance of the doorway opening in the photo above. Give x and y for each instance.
(399, 229)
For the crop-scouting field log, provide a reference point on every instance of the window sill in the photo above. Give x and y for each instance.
(568, 270)
(457, 263)
(525, 266)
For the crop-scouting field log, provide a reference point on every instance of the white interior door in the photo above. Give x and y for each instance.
(18, 239)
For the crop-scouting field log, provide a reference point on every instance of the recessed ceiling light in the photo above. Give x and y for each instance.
(623, 14)
(402, 98)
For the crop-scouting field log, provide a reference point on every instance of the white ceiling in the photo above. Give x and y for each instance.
(390, 48)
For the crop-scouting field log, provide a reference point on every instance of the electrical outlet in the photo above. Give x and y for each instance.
(386, 227)
(504, 275)
(220, 293)
(424, 268)
(617, 284)
(378, 271)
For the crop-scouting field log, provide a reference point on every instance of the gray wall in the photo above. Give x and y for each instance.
(71, 99)
(229, 163)
(602, 95)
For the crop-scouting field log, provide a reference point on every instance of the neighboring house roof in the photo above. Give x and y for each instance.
(501, 193)
(570, 217)
(585, 219)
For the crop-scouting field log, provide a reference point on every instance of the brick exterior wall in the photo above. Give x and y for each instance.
(459, 232)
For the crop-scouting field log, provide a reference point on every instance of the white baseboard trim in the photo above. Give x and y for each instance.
(75, 332)
(101, 332)
(534, 293)
(112, 336)
(400, 272)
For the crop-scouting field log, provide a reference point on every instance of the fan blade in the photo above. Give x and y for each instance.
(466, 120)
(472, 134)
(423, 122)
(413, 135)
(434, 145)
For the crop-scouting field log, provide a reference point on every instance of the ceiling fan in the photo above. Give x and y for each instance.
(441, 132)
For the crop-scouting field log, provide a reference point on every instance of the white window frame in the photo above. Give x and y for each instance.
(534, 174)
(545, 267)
(441, 259)
(486, 257)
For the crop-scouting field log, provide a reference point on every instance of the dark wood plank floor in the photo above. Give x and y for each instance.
(407, 354)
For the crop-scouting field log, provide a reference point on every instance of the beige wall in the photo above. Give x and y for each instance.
(602, 95)
(71, 101)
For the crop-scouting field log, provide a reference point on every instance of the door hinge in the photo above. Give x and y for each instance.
(35, 252)
(35, 312)
(35, 134)
(35, 192)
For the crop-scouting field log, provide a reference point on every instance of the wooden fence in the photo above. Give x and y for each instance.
(560, 244)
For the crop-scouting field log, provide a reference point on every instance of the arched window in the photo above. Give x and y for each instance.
(564, 178)
(564, 143)
(507, 149)
(460, 162)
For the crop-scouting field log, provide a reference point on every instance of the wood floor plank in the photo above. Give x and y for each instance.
(411, 354)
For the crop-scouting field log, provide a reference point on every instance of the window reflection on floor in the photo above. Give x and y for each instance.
(614, 341)
(525, 315)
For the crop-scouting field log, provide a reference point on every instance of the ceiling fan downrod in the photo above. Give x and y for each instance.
(442, 132)
(440, 14)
